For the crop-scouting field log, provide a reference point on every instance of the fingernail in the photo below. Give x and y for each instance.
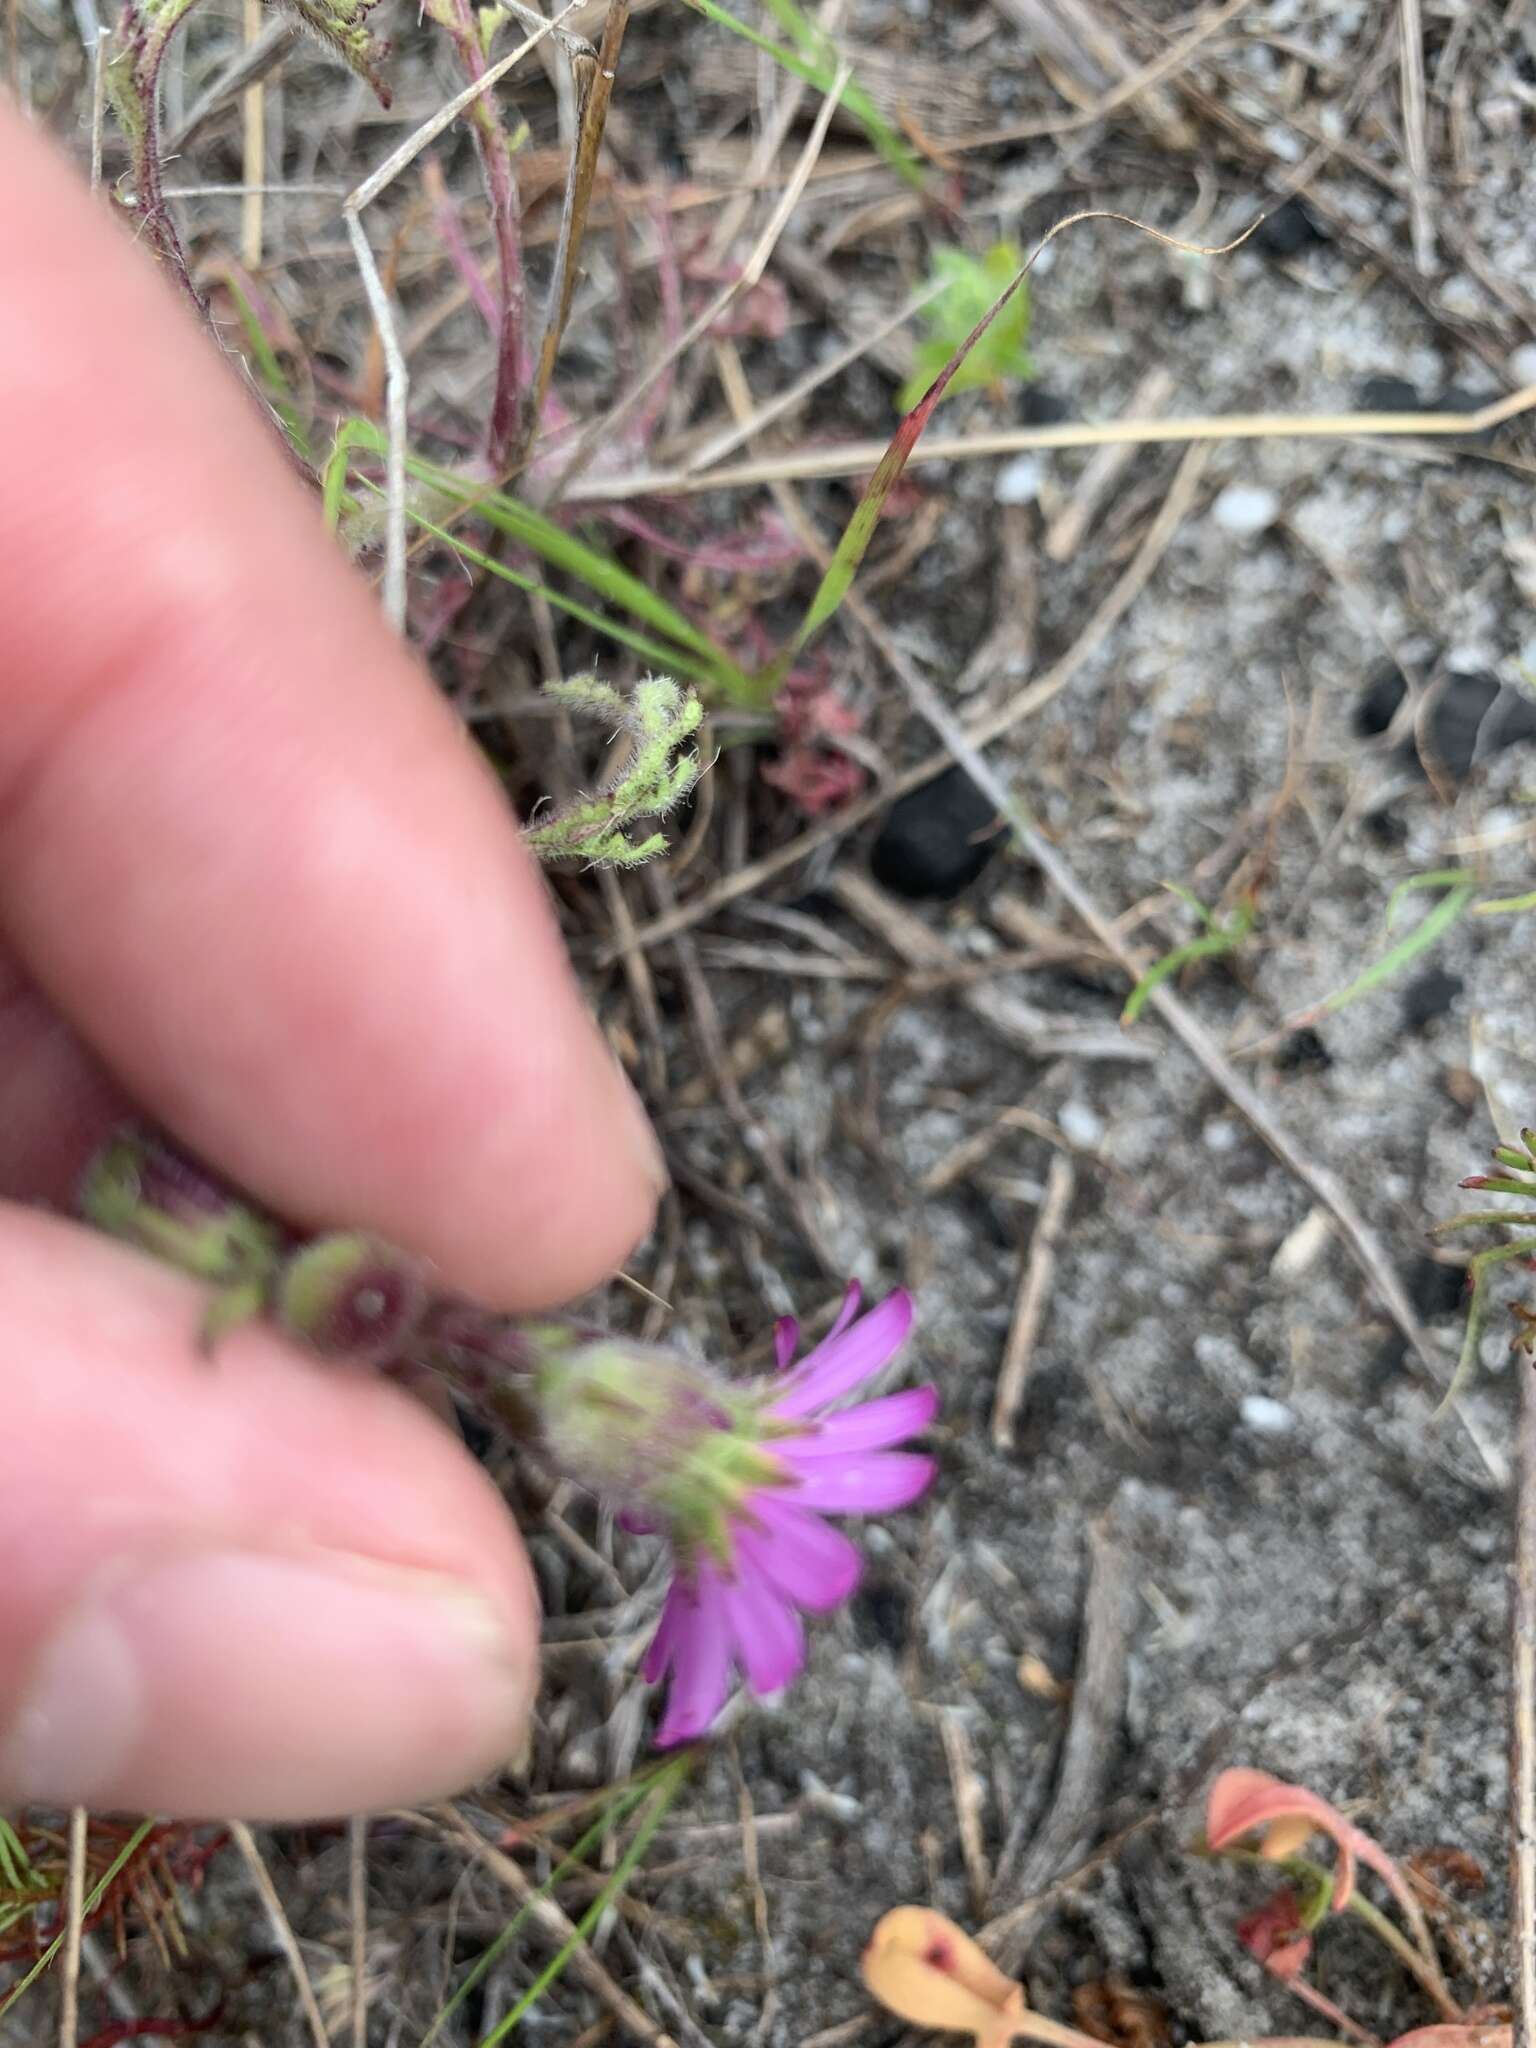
(273, 1687)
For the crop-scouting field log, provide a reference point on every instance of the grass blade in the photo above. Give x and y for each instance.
(615, 1814)
(686, 650)
(667, 1786)
(815, 62)
(93, 1899)
(670, 660)
(1435, 923)
(859, 531)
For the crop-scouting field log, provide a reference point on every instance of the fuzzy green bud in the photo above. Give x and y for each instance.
(142, 1191)
(350, 1295)
(656, 1435)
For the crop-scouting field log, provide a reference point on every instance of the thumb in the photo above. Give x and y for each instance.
(257, 1586)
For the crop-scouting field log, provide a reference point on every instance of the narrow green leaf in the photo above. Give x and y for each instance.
(1438, 878)
(269, 371)
(820, 70)
(856, 536)
(562, 550)
(93, 1899)
(619, 1809)
(668, 1785)
(1505, 906)
(1435, 923)
(653, 651)
(1209, 947)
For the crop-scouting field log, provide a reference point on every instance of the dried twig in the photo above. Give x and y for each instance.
(1098, 1700)
(74, 1927)
(602, 430)
(1411, 35)
(595, 92)
(967, 1792)
(1064, 535)
(282, 1930)
(1034, 1292)
(99, 54)
(1522, 1726)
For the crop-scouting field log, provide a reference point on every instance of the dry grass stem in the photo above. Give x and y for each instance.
(1522, 1725)
(282, 1930)
(858, 458)
(1415, 148)
(74, 1927)
(254, 148)
(1088, 1748)
(1033, 1295)
(357, 1918)
(604, 429)
(633, 2019)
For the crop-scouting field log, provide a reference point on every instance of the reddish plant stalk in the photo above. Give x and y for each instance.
(458, 17)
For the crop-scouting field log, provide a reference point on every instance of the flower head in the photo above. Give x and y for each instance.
(768, 1554)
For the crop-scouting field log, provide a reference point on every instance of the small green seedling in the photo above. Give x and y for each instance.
(1215, 940)
(1518, 1178)
(971, 284)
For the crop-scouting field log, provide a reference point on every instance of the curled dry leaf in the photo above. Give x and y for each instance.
(1245, 1802)
(923, 1968)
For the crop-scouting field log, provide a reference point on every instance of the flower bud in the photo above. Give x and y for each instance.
(141, 1190)
(350, 1295)
(663, 1441)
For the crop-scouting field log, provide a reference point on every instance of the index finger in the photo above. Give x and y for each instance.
(244, 847)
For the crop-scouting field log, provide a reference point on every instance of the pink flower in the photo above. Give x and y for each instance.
(740, 1603)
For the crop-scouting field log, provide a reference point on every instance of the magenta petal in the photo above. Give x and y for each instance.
(805, 1558)
(701, 1662)
(786, 1335)
(871, 1485)
(770, 1643)
(873, 1426)
(659, 1650)
(846, 1358)
(849, 1309)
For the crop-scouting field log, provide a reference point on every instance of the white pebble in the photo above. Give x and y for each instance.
(1084, 1126)
(1267, 1417)
(1246, 509)
(1018, 482)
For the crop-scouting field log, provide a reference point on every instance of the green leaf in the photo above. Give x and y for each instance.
(1433, 926)
(969, 285)
(269, 371)
(857, 534)
(686, 650)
